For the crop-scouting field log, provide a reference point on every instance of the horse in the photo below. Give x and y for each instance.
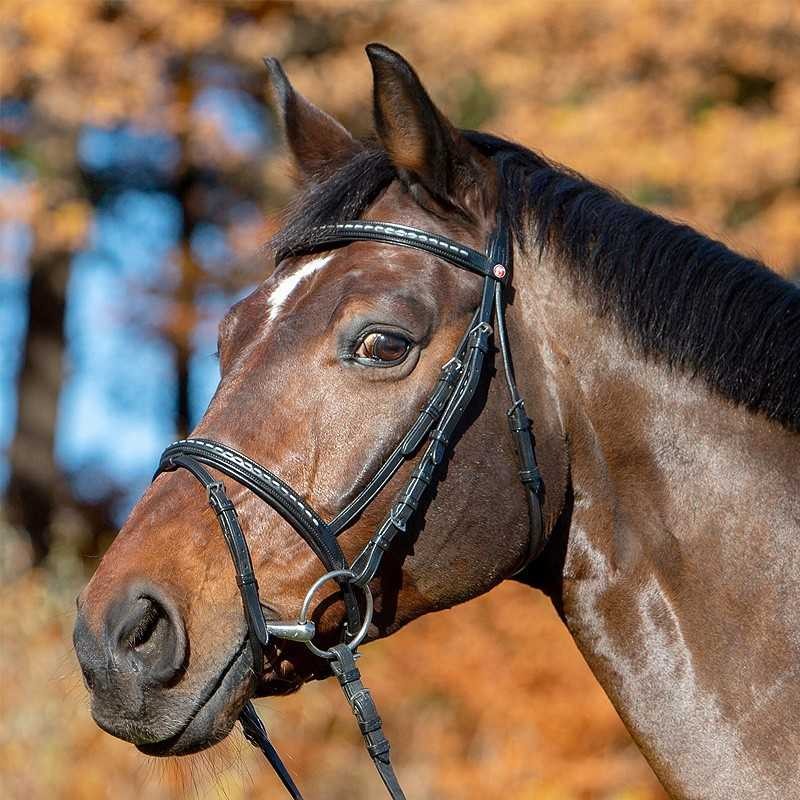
(662, 374)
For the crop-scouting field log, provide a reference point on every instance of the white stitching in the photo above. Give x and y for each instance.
(397, 231)
(245, 462)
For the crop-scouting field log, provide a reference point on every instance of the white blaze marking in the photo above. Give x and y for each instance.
(280, 294)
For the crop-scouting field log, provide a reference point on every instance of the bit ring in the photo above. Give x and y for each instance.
(362, 631)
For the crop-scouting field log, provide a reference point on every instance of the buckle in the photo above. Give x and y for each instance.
(482, 327)
(216, 486)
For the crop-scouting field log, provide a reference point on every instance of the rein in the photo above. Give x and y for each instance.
(436, 423)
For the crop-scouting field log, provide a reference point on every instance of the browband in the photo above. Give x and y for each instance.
(459, 255)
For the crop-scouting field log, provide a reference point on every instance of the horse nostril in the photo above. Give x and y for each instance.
(151, 631)
(148, 636)
(88, 677)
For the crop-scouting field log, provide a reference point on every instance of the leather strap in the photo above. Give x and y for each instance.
(369, 559)
(459, 255)
(273, 491)
(408, 446)
(268, 487)
(240, 554)
(369, 722)
(255, 733)
(521, 427)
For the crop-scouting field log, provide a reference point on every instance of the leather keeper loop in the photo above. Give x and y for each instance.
(405, 507)
(247, 579)
(435, 407)
(348, 676)
(422, 474)
(481, 343)
(221, 506)
(396, 516)
(370, 726)
(379, 749)
(531, 477)
(518, 420)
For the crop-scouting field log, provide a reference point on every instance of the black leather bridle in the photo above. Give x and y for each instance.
(436, 423)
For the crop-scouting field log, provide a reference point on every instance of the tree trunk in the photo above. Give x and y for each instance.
(36, 486)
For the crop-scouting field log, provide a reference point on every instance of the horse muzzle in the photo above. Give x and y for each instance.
(134, 667)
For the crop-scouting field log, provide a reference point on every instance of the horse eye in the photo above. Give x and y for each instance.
(384, 348)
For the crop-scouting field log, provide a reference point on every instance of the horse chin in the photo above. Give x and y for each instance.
(213, 719)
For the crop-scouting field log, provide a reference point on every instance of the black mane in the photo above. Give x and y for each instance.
(676, 293)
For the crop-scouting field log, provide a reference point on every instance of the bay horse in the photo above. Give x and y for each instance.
(662, 371)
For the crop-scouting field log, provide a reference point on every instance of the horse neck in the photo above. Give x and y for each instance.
(675, 562)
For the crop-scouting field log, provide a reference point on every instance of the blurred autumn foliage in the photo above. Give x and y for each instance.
(693, 108)
(690, 108)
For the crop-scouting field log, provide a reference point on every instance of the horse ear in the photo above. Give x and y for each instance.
(423, 145)
(318, 142)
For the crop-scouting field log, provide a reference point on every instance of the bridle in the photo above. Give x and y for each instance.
(437, 422)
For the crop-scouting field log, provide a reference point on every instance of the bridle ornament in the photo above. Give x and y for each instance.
(437, 421)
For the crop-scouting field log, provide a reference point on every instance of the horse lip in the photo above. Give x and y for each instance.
(202, 728)
(207, 724)
(273, 686)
